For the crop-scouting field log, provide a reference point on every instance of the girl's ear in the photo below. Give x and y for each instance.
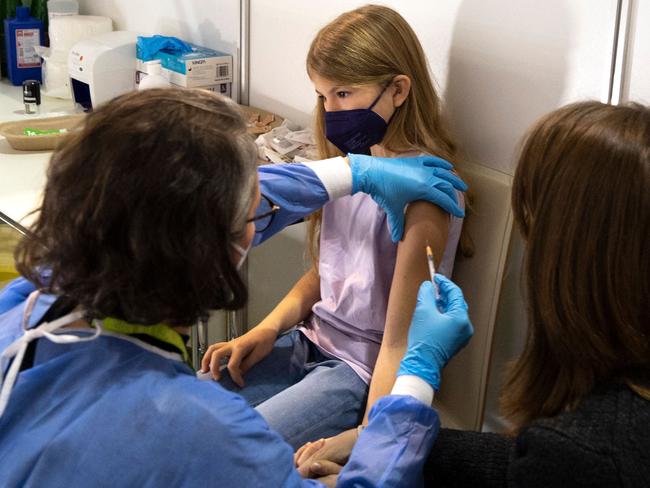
(401, 89)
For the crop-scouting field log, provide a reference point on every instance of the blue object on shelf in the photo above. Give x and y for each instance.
(22, 34)
(148, 47)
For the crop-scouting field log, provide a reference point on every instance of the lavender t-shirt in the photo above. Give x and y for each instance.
(357, 261)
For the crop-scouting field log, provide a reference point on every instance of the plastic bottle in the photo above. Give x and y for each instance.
(7, 11)
(62, 7)
(22, 35)
(154, 78)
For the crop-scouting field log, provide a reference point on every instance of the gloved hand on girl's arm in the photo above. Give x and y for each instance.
(395, 182)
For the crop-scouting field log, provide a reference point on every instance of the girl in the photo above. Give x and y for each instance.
(352, 307)
(578, 396)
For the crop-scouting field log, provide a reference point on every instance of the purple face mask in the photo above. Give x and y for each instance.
(354, 131)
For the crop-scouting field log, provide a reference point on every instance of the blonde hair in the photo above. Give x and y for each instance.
(372, 45)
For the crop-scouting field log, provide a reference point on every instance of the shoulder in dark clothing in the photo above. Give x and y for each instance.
(468, 459)
(604, 442)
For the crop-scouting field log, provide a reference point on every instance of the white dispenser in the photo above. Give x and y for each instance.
(102, 68)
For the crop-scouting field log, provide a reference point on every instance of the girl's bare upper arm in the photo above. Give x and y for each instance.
(424, 224)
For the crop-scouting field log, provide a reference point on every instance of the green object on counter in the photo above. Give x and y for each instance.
(37, 132)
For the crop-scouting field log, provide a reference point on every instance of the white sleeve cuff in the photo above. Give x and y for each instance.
(335, 174)
(414, 386)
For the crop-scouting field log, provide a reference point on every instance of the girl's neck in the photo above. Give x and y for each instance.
(380, 151)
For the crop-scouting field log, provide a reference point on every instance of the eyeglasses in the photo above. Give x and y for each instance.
(265, 212)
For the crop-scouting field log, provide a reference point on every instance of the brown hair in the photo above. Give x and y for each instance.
(141, 207)
(372, 45)
(581, 200)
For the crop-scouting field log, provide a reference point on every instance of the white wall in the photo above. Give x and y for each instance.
(499, 64)
(210, 23)
(637, 76)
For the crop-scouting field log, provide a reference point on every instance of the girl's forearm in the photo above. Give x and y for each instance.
(384, 374)
(296, 305)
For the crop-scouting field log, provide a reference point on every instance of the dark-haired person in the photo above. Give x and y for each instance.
(578, 397)
(142, 226)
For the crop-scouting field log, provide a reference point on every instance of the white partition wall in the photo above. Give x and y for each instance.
(636, 82)
(499, 65)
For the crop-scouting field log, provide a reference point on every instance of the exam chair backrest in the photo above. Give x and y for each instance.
(461, 400)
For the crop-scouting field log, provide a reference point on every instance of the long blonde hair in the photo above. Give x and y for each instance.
(372, 45)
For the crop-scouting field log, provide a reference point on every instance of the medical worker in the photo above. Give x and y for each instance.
(139, 240)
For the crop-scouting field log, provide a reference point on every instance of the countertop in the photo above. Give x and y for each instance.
(22, 173)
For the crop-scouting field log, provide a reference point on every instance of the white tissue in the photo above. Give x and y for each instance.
(65, 31)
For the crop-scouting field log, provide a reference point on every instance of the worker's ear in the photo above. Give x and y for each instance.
(401, 87)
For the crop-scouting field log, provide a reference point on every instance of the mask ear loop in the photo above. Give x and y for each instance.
(377, 99)
(380, 94)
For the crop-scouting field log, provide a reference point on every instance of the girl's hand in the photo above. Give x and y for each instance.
(244, 352)
(306, 451)
(334, 449)
(326, 472)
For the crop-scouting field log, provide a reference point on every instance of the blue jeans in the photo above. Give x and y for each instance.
(302, 393)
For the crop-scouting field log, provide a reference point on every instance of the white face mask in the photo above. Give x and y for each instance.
(243, 252)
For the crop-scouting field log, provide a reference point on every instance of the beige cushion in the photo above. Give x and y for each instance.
(461, 399)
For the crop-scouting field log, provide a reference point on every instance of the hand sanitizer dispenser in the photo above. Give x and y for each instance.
(102, 68)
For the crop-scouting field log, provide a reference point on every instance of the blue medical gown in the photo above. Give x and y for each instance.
(296, 189)
(118, 412)
(15, 293)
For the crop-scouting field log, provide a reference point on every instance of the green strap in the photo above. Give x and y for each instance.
(161, 332)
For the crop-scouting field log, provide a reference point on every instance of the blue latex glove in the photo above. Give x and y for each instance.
(148, 47)
(394, 182)
(437, 332)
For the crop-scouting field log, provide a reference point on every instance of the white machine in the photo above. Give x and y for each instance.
(102, 68)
